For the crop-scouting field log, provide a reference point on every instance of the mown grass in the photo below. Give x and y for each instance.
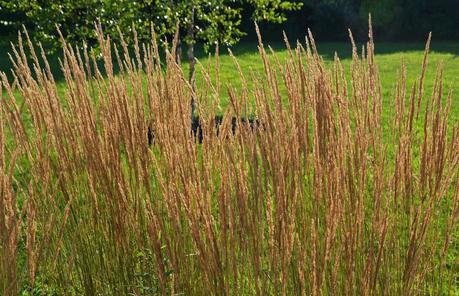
(341, 191)
(389, 56)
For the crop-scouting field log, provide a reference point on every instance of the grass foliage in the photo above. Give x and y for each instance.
(325, 197)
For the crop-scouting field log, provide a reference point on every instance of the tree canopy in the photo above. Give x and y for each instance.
(213, 21)
(229, 20)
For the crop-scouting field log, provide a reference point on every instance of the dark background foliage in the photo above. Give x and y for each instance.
(394, 20)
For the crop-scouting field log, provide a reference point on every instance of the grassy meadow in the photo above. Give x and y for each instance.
(349, 185)
(389, 58)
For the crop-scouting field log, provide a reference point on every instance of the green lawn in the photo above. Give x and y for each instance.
(388, 57)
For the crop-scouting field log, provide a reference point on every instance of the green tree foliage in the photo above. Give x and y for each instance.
(383, 12)
(407, 20)
(75, 18)
(213, 21)
(396, 19)
(9, 20)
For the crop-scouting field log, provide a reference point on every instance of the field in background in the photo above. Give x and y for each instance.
(388, 58)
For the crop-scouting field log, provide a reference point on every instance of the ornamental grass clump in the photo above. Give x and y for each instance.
(325, 198)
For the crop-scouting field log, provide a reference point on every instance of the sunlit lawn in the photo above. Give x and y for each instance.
(388, 57)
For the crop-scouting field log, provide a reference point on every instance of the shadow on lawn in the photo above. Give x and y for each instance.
(344, 49)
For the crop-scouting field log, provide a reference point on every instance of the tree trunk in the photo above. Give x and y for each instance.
(178, 52)
(191, 59)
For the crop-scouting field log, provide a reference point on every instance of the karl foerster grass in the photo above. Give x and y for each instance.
(319, 201)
